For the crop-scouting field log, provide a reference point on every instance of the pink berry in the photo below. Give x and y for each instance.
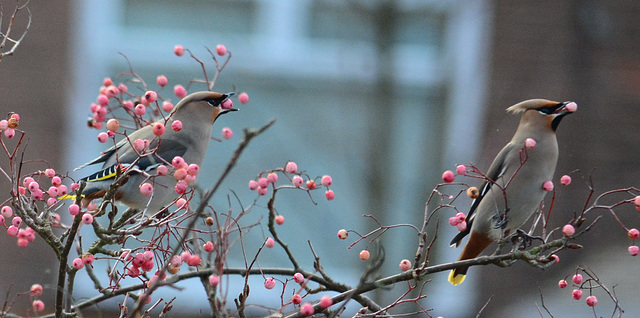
(4, 124)
(633, 250)
(107, 81)
(577, 294)
(103, 100)
(565, 180)
(128, 105)
(52, 201)
(49, 173)
(123, 88)
(87, 218)
(146, 189)
(16, 221)
(263, 182)
(448, 176)
(343, 234)
(53, 192)
(2, 220)
(269, 243)
(37, 305)
(326, 302)
(562, 283)
(193, 169)
(253, 185)
(568, 230)
(636, 200)
(221, 50)
(9, 133)
(311, 184)
(269, 283)
(36, 290)
(182, 203)
(453, 221)
(547, 186)
(185, 256)
(112, 91)
(140, 110)
(15, 116)
(571, 107)
(12, 231)
(113, 124)
(326, 180)
(461, 170)
(178, 50)
(62, 189)
(330, 195)
(634, 234)
(462, 226)
(162, 170)
(162, 80)
(461, 216)
(176, 261)
(37, 195)
(208, 246)
(194, 260)
(291, 167)
(140, 144)
(88, 258)
(179, 91)
(181, 187)
(176, 125)
(279, 219)
(297, 181)
(306, 309)
(78, 263)
(180, 174)
(167, 106)
(296, 299)
(272, 177)
(530, 143)
(151, 96)
(298, 278)
(214, 280)
(262, 191)
(22, 242)
(364, 255)
(6, 211)
(227, 133)
(226, 104)
(178, 162)
(133, 271)
(56, 181)
(592, 300)
(158, 129)
(103, 137)
(577, 279)
(405, 265)
(243, 98)
(556, 258)
(74, 209)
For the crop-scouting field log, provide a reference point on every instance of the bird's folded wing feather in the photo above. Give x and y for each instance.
(496, 170)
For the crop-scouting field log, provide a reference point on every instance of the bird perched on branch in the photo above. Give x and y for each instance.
(513, 189)
(197, 113)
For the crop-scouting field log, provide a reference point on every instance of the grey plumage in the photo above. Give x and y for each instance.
(197, 112)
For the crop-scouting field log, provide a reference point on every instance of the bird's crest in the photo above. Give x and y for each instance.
(521, 107)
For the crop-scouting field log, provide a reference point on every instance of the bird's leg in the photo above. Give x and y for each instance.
(522, 240)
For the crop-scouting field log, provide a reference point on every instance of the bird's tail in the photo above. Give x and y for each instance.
(477, 243)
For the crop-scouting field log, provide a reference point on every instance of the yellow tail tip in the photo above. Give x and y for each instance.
(67, 197)
(457, 279)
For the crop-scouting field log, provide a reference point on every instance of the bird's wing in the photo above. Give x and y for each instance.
(167, 150)
(496, 170)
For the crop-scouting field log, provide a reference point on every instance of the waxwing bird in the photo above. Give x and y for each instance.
(197, 112)
(513, 190)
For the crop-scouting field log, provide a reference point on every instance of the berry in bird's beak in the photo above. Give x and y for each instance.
(571, 107)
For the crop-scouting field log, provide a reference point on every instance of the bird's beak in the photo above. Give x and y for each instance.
(224, 111)
(566, 108)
